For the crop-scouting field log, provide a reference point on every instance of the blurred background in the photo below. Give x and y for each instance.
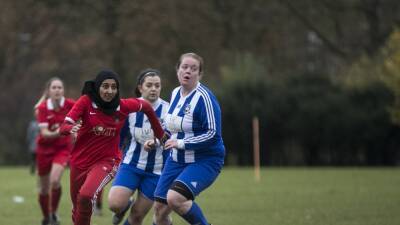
(323, 77)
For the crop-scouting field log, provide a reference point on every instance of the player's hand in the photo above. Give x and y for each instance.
(74, 137)
(171, 143)
(164, 138)
(75, 128)
(149, 145)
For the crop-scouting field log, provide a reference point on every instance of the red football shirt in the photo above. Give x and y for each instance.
(98, 137)
(52, 119)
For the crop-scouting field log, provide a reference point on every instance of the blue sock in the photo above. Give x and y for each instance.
(195, 215)
(127, 222)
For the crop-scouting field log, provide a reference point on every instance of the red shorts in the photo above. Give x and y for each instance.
(44, 160)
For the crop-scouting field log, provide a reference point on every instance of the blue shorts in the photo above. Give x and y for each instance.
(196, 176)
(134, 178)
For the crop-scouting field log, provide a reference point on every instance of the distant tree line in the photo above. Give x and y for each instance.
(322, 76)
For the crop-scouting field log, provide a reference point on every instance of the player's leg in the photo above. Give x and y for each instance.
(161, 209)
(44, 197)
(77, 179)
(97, 178)
(124, 185)
(144, 200)
(119, 202)
(44, 167)
(55, 190)
(162, 213)
(195, 178)
(139, 210)
(57, 169)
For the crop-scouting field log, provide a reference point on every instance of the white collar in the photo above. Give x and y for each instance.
(50, 105)
(154, 104)
(194, 89)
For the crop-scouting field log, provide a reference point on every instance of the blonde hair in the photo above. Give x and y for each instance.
(45, 94)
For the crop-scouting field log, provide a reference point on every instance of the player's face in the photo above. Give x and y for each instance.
(56, 90)
(189, 72)
(151, 88)
(108, 90)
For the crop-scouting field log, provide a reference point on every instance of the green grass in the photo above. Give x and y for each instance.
(284, 196)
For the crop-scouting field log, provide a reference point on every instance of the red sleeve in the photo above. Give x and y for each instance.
(74, 114)
(66, 127)
(78, 109)
(133, 104)
(155, 123)
(136, 104)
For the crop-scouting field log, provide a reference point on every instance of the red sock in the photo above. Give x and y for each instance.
(55, 199)
(44, 204)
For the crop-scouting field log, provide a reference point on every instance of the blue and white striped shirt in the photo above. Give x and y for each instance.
(196, 120)
(137, 130)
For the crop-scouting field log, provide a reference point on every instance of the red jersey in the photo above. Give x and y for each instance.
(52, 118)
(98, 138)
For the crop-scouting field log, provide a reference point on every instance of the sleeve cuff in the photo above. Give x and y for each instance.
(157, 142)
(181, 144)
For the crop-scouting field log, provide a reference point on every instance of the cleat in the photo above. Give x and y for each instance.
(46, 221)
(54, 219)
(118, 217)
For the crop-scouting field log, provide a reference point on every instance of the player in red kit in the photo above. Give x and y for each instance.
(97, 118)
(52, 149)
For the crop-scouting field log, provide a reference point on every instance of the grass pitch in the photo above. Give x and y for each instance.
(284, 196)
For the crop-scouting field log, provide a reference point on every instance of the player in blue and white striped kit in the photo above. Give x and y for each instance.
(194, 121)
(140, 169)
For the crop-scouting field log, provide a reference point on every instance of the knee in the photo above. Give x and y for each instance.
(178, 204)
(116, 205)
(44, 190)
(173, 202)
(161, 213)
(84, 200)
(158, 208)
(179, 196)
(55, 183)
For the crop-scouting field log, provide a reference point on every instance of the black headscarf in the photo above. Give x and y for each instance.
(92, 87)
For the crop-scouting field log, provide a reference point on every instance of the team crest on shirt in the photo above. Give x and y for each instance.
(104, 131)
(187, 109)
(99, 129)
